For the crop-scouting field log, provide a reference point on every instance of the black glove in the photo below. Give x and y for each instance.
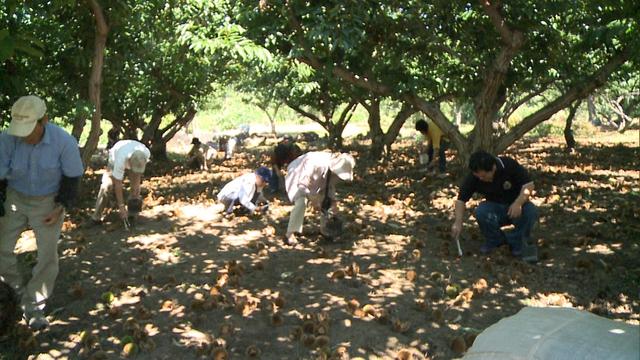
(134, 205)
(68, 193)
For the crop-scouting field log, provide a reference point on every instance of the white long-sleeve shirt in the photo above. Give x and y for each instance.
(242, 189)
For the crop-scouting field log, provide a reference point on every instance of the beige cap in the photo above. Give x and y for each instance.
(138, 161)
(25, 113)
(342, 165)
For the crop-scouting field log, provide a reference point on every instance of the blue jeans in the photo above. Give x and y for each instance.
(492, 216)
(274, 184)
(442, 158)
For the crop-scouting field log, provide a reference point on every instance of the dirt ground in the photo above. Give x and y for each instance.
(187, 283)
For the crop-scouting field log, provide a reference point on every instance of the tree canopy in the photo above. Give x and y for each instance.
(162, 58)
(423, 53)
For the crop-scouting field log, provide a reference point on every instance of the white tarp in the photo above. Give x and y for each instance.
(556, 333)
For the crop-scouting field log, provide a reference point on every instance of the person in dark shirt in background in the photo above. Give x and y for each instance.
(113, 136)
(506, 186)
(283, 154)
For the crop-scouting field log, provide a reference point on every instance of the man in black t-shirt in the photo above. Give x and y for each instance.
(506, 186)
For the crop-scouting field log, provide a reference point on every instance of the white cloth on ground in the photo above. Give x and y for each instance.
(554, 333)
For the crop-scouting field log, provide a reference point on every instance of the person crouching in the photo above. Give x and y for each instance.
(201, 156)
(246, 190)
(312, 177)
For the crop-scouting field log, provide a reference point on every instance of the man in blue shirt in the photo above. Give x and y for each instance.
(40, 168)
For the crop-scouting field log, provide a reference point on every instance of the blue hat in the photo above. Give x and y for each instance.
(264, 173)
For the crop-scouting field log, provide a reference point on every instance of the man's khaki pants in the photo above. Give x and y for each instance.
(22, 211)
(106, 189)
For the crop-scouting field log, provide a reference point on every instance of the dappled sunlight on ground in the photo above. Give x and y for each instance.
(188, 282)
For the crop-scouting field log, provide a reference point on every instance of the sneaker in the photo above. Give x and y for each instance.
(37, 321)
(291, 240)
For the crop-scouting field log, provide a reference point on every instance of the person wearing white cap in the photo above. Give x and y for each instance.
(124, 155)
(40, 169)
(309, 178)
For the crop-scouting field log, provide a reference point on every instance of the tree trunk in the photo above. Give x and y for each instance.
(492, 95)
(593, 115)
(335, 136)
(339, 126)
(271, 117)
(394, 129)
(160, 138)
(380, 141)
(152, 129)
(158, 149)
(78, 126)
(333, 129)
(375, 129)
(568, 132)
(95, 81)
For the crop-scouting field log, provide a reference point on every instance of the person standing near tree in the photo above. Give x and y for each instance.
(436, 145)
(506, 186)
(40, 169)
(124, 155)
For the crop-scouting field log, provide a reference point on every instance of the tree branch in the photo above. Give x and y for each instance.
(398, 121)
(511, 38)
(351, 107)
(170, 130)
(511, 108)
(304, 113)
(428, 108)
(579, 91)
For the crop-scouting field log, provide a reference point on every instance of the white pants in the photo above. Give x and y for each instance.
(296, 218)
(22, 211)
(103, 196)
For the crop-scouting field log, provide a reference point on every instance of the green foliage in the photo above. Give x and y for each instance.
(449, 50)
(166, 58)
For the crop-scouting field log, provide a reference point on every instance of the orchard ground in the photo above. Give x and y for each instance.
(187, 283)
